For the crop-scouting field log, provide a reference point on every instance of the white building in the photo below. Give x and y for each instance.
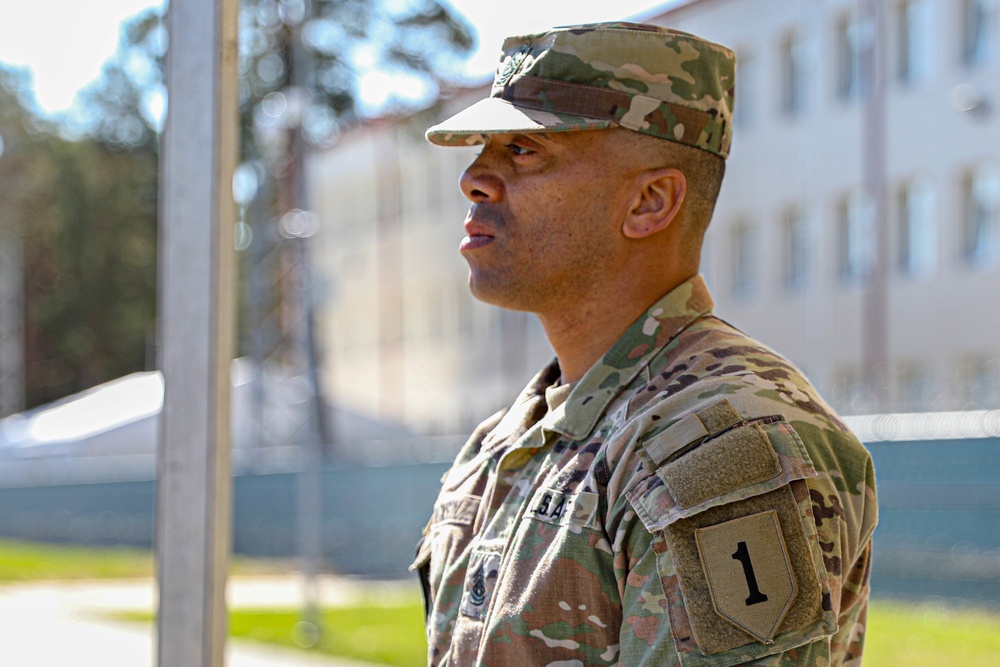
(789, 254)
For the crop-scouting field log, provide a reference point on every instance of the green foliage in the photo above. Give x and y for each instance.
(315, 51)
(87, 218)
(121, 110)
(91, 271)
(87, 209)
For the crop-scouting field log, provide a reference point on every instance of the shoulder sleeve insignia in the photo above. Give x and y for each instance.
(749, 573)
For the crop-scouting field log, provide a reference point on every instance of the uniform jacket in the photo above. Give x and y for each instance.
(692, 502)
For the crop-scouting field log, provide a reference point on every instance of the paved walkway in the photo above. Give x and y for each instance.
(55, 624)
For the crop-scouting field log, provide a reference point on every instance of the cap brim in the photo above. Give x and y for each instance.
(496, 116)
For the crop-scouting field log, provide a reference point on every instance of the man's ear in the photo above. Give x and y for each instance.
(657, 202)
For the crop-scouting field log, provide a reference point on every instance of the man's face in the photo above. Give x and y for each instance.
(546, 215)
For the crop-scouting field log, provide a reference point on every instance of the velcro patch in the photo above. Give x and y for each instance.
(734, 460)
(713, 630)
(688, 431)
(719, 416)
(749, 573)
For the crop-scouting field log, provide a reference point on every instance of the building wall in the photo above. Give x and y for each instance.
(406, 342)
(939, 321)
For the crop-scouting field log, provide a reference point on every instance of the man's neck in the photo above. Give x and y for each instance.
(582, 337)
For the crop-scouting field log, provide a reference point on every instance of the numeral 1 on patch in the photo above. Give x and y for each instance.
(743, 556)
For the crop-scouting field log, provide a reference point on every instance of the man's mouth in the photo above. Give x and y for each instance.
(477, 235)
(473, 241)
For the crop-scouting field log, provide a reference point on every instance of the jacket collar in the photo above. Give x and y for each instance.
(628, 357)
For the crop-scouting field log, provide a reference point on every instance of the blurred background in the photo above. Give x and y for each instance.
(858, 233)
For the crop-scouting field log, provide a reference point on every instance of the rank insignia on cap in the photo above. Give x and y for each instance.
(508, 68)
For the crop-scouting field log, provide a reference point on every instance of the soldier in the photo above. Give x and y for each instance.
(668, 491)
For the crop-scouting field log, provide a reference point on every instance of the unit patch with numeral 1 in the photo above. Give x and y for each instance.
(749, 572)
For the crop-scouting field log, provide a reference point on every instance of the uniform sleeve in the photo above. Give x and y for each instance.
(655, 625)
(645, 637)
(718, 556)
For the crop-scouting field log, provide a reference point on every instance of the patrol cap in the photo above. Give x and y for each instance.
(651, 79)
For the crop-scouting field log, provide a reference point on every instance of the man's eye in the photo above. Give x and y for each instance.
(517, 149)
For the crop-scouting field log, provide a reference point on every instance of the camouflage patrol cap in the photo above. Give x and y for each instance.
(654, 80)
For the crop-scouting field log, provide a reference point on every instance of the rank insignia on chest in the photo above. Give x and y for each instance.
(480, 579)
(477, 594)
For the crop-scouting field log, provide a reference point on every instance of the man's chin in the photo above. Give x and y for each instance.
(491, 291)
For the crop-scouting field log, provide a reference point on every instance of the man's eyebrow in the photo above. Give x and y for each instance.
(543, 137)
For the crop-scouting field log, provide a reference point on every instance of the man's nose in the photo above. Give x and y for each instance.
(479, 183)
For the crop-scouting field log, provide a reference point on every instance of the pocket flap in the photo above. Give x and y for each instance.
(749, 459)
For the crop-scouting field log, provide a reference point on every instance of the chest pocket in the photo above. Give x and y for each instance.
(445, 537)
(728, 495)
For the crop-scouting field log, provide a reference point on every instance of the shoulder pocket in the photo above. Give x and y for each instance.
(742, 548)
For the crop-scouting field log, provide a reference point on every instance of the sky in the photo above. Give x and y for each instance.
(66, 54)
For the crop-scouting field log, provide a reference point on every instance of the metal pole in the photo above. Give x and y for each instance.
(313, 435)
(875, 330)
(197, 332)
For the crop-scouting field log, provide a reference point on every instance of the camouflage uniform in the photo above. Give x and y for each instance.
(690, 501)
(567, 535)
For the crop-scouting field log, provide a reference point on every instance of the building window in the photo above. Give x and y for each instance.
(982, 216)
(793, 74)
(745, 264)
(916, 41)
(795, 246)
(855, 242)
(917, 230)
(854, 49)
(914, 388)
(746, 86)
(979, 30)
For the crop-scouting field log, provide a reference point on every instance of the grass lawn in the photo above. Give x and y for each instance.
(902, 634)
(37, 561)
(387, 635)
(899, 634)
